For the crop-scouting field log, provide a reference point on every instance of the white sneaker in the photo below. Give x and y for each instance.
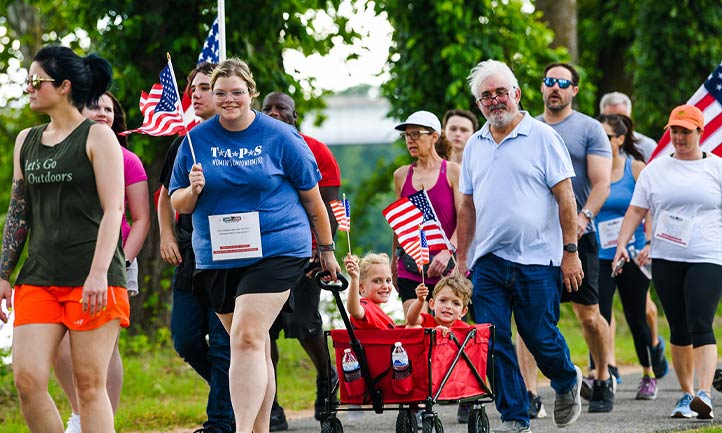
(73, 424)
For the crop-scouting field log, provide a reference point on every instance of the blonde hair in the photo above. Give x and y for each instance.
(235, 67)
(370, 259)
(459, 285)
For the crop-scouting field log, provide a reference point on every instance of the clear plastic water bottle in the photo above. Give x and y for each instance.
(646, 269)
(400, 361)
(351, 367)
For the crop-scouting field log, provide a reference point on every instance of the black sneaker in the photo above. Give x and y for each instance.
(278, 418)
(536, 407)
(659, 360)
(717, 382)
(462, 413)
(602, 396)
(323, 388)
(614, 372)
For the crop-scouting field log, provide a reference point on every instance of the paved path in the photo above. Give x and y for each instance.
(629, 415)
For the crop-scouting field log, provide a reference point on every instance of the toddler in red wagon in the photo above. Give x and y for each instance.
(371, 285)
(449, 303)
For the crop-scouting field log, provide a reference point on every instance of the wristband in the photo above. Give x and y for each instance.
(127, 264)
(329, 247)
(649, 242)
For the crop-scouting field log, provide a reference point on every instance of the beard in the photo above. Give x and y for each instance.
(558, 104)
(501, 119)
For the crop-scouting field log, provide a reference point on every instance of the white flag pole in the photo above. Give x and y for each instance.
(185, 124)
(221, 30)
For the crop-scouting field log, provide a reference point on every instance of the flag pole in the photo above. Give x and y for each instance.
(185, 125)
(221, 31)
(421, 271)
(348, 233)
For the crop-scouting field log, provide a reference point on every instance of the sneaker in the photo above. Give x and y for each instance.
(659, 360)
(462, 413)
(614, 371)
(717, 382)
(682, 409)
(702, 404)
(647, 389)
(512, 427)
(73, 424)
(536, 407)
(602, 396)
(586, 391)
(568, 405)
(323, 388)
(278, 418)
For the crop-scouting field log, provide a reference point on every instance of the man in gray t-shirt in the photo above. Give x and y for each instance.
(591, 155)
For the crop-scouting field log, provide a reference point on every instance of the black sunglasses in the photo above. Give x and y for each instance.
(550, 82)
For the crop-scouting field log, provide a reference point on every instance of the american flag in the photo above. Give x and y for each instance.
(424, 253)
(209, 53)
(160, 108)
(707, 98)
(406, 214)
(342, 212)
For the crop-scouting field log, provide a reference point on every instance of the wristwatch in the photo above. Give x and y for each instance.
(329, 247)
(570, 248)
(587, 213)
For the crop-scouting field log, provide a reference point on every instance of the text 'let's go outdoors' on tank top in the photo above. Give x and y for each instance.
(64, 212)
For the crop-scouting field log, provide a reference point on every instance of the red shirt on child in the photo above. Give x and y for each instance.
(375, 318)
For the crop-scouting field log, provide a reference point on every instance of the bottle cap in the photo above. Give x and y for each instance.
(347, 351)
(397, 344)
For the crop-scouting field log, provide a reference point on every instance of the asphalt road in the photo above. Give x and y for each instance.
(629, 415)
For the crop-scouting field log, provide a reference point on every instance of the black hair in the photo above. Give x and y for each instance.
(202, 68)
(623, 125)
(89, 76)
(567, 66)
(119, 124)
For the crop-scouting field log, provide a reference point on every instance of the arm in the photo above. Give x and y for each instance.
(329, 194)
(632, 220)
(571, 267)
(107, 160)
(599, 171)
(413, 316)
(465, 227)
(16, 228)
(169, 251)
(441, 260)
(184, 199)
(318, 217)
(353, 302)
(637, 167)
(139, 207)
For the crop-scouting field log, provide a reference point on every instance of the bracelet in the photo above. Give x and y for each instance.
(649, 242)
(326, 248)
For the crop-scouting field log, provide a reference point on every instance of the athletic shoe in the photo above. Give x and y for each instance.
(682, 409)
(462, 413)
(278, 418)
(602, 396)
(511, 427)
(647, 389)
(568, 405)
(717, 382)
(536, 407)
(73, 424)
(659, 360)
(323, 388)
(702, 404)
(586, 391)
(614, 371)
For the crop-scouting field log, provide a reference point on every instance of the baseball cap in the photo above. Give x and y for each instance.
(686, 116)
(421, 118)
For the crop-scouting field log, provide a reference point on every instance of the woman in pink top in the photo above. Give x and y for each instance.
(109, 112)
(440, 179)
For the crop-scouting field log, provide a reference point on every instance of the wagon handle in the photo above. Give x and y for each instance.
(330, 285)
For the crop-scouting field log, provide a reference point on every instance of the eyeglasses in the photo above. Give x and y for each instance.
(234, 95)
(611, 136)
(414, 135)
(35, 81)
(563, 83)
(500, 97)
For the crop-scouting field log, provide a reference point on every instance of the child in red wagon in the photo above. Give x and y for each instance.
(371, 279)
(449, 303)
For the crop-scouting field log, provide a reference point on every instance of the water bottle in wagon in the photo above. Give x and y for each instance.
(401, 376)
(352, 373)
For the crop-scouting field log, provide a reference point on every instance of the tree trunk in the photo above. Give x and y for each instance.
(561, 17)
(24, 19)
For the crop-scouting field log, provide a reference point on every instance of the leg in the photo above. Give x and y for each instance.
(114, 383)
(683, 361)
(219, 408)
(527, 365)
(33, 351)
(606, 288)
(652, 314)
(91, 351)
(189, 326)
(63, 368)
(633, 292)
(596, 333)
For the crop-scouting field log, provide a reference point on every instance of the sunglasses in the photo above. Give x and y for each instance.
(35, 81)
(550, 82)
(611, 136)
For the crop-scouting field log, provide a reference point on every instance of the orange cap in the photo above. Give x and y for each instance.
(686, 116)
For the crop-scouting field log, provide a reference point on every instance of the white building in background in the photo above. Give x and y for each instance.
(353, 119)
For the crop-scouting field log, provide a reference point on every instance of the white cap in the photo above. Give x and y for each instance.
(421, 118)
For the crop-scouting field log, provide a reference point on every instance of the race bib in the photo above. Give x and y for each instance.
(675, 229)
(609, 232)
(235, 236)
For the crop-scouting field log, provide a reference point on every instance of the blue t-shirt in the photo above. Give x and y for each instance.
(583, 136)
(260, 169)
(517, 215)
(614, 208)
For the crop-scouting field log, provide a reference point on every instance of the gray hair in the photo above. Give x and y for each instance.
(615, 98)
(486, 69)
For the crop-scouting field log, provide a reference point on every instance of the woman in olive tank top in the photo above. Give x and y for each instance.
(73, 279)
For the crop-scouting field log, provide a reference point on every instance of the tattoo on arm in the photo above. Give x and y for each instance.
(16, 229)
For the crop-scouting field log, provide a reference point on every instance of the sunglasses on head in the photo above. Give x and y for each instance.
(563, 83)
(35, 81)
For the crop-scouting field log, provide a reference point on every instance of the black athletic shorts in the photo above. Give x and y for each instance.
(305, 320)
(407, 289)
(218, 288)
(588, 293)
